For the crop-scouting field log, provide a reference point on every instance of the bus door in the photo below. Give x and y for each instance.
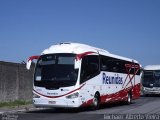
(89, 75)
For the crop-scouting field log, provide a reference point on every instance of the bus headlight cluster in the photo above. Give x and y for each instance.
(35, 96)
(72, 96)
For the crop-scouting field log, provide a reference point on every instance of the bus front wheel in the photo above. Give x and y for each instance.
(96, 101)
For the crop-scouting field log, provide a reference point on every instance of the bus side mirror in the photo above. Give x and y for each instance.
(29, 61)
(76, 64)
(28, 65)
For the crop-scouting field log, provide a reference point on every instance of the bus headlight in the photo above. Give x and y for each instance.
(72, 96)
(35, 95)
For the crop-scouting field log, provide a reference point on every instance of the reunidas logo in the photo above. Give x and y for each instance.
(112, 79)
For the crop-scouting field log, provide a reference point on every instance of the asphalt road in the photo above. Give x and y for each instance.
(142, 108)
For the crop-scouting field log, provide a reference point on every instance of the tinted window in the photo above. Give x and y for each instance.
(89, 67)
(115, 65)
(133, 70)
(112, 65)
(105, 63)
(151, 78)
(55, 70)
(66, 60)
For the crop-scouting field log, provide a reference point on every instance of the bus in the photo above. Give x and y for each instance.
(151, 80)
(77, 75)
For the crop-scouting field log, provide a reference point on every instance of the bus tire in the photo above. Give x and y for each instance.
(96, 101)
(129, 98)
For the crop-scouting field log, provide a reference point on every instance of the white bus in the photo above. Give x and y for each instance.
(151, 80)
(77, 75)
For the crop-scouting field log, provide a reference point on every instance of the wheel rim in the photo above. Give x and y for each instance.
(95, 101)
(129, 98)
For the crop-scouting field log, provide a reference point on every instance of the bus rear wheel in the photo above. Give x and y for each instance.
(129, 98)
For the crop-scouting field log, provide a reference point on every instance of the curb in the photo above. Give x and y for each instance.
(20, 110)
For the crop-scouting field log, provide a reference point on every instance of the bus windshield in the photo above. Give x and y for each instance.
(151, 79)
(55, 70)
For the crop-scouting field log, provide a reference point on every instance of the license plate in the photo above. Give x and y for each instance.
(52, 102)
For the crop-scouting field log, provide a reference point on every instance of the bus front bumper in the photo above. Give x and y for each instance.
(56, 103)
(154, 90)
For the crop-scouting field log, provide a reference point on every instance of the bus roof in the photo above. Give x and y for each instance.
(78, 48)
(69, 47)
(152, 67)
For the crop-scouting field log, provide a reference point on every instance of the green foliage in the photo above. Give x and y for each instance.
(15, 103)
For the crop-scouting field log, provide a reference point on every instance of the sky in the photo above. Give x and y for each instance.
(129, 28)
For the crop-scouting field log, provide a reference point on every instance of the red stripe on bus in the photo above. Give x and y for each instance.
(80, 56)
(33, 57)
(59, 95)
(116, 97)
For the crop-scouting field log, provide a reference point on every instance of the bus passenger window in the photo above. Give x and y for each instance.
(116, 66)
(104, 63)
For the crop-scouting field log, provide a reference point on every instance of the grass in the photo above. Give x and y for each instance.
(15, 103)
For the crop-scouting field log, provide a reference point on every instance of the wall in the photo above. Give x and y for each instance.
(15, 82)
